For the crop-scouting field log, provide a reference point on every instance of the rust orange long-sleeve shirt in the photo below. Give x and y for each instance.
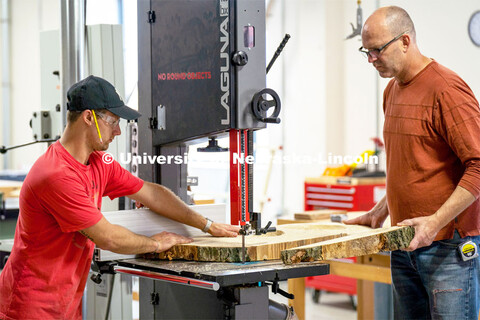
(432, 143)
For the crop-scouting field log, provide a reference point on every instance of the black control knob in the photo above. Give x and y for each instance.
(240, 58)
(96, 277)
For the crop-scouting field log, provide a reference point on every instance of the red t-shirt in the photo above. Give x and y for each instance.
(48, 267)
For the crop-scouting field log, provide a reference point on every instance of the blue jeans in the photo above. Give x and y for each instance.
(435, 283)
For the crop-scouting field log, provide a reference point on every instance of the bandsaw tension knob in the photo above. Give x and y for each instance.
(240, 58)
(261, 105)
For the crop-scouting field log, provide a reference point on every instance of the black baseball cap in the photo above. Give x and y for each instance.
(97, 93)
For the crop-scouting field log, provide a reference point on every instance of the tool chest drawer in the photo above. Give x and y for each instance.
(346, 197)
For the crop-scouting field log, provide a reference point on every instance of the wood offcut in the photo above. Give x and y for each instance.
(358, 244)
(318, 214)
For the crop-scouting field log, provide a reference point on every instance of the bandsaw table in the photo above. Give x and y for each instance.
(213, 290)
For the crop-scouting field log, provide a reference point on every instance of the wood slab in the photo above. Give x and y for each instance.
(318, 214)
(357, 244)
(262, 247)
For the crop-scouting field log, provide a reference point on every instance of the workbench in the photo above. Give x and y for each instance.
(10, 188)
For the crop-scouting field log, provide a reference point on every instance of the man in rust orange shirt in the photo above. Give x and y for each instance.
(432, 143)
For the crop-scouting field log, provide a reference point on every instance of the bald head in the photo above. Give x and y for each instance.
(392, 19)
(389, 42)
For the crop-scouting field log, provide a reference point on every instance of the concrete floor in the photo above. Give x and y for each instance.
(331, 306)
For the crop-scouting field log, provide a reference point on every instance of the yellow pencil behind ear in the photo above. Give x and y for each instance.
(96, 124)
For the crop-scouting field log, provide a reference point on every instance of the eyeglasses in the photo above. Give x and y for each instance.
(375, 53)
(111, 121)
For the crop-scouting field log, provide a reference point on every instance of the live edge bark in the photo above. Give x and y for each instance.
(393, 238)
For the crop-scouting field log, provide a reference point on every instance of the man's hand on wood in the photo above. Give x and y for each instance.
(373, 219)
(166, 240)
(223, 230)
(426, 229)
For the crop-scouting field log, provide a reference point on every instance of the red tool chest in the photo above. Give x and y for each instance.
(334, 283)
(351, 194)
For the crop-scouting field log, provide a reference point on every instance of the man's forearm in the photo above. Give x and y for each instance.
(163, 201)
(127, 242)
(379, 213)
(427, 227)
(118, 239)
(381, 207)
(458, 201)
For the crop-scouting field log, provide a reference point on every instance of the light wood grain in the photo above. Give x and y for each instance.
(360, 271)
(12, 194)
(298, 304)
(350, 215)
(366, 300)
(7, 186)
(318, 214)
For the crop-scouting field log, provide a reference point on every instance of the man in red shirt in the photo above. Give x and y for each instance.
(431, 132)
(60, 220)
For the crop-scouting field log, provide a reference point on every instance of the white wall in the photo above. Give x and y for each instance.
(3, 81)
(304, 96)
(28, 17)
(359, 88)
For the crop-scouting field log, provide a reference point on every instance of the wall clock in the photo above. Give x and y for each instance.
(474, 28)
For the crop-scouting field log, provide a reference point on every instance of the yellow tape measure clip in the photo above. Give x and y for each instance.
(468, 250)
